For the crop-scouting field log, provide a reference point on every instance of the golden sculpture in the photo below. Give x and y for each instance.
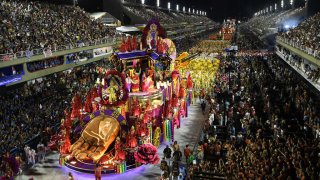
(156, 137)
(95, 139)
(112, 91)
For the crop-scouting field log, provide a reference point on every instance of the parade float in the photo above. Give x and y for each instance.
(133, 108)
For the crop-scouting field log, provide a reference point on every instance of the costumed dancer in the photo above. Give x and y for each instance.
(136, 83)
(129, 82)
(119, 152)
(144, 84)
(132, 140)
(66, 144)
(76, 106)
(141, 130)
(145, 117)
(95, 100)
(136, 108)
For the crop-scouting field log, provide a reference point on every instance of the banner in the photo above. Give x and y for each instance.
(102, 51)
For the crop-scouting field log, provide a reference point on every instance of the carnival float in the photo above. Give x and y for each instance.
(133, 108)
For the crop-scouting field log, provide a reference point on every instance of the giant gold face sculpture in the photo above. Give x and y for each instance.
(96, 138)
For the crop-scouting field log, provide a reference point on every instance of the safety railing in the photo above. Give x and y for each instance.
(53, 49)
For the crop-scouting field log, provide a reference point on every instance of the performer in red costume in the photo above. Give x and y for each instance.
(66, 144)
(141, 130)
(88, 104)
(132, 140)
(76, 106)
(146, 118)
(136, 108)
(95, 104)
(67, 122)
(119, 152)
(135, 87)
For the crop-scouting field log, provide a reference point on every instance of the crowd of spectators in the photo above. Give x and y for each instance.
(166, 17)
(34, 108)
(305, 36)
(31, 25)
(311, 71)
(271, 22)
(185, 42)
(45, 64)
(264, 122)
(210, 46)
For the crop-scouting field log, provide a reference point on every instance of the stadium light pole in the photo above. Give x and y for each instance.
(291, 3)
(169, 5)
(143, 1)
(184, 9)
(282, 4)
(177, 7)
(193, 11)
(158, 3)
(275, 6)
(189, 10)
